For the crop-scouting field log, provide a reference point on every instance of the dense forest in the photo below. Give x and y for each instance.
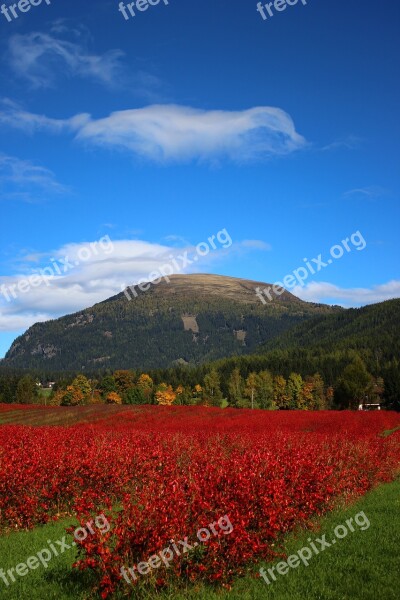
(300, 379)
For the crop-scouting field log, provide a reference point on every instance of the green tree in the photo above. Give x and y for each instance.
(211, 387)
(354, 385)
(319, 396)
(82, 384)
(294, 387)
(265, 390)
(26, 390)
(108, 385)
(280, 394)
(7, 396)
(134, 396)
(391, 376)
(250, 390)
(236, 388)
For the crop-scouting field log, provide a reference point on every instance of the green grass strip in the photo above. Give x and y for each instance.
(362, 566)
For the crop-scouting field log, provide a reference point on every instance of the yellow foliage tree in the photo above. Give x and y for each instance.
(96, 398)
(56, 399)
(165, 395)
(114, 398)
(145, 384)
(73, 396)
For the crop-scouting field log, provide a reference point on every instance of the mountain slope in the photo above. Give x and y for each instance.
(192, 319)
(375, 327)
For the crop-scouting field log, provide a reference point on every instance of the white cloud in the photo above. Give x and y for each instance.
(23, 180)
(40, 57)
(256, 245)
(177, 133)
(14, 116)
(372, 192)
(350, 142)
(171, 133)
(327, 292)
(116, 265)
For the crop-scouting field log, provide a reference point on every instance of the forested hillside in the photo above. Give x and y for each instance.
(375, 328)
(191, 320)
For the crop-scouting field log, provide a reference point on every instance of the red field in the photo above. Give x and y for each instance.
(173, 470)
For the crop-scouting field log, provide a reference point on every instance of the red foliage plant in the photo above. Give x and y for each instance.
(165, 472)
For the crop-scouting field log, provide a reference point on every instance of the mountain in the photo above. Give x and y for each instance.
(191, 319)
(375, 328)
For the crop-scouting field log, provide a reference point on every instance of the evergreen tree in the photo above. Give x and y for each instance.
(108, 385)
(27, 392)
(354, 385)
(236, 388)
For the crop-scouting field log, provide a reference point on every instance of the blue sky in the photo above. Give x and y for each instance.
(189, 119)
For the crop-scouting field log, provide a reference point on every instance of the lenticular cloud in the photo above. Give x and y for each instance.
(170, 133)
(178, 133)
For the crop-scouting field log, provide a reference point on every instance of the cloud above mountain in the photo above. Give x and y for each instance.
(333, 294)
(169, 133)
(80, 275)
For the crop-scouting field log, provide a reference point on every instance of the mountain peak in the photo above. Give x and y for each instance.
(206, 285)
(190, 318)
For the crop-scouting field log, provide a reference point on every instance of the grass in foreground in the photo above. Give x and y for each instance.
(362, 566)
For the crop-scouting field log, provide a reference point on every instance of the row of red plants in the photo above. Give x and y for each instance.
(170, 476)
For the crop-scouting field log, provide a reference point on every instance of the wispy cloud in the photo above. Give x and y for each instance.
(24, 180)
(39, 58)
(350, 142)
(42, 59)
(172, 133)
(372, 192)
(256, 245)
(323, 292)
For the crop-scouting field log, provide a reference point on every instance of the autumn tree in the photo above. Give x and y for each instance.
(197, 394)
(165, 395)
(306, 397)
(280, 396)
(183, 395)
(146, 384)
(82, 384)
(72, 396)
(113, 398)
(96, 397)
(125, 380)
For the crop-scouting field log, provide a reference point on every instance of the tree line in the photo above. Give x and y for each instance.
(231, 382)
